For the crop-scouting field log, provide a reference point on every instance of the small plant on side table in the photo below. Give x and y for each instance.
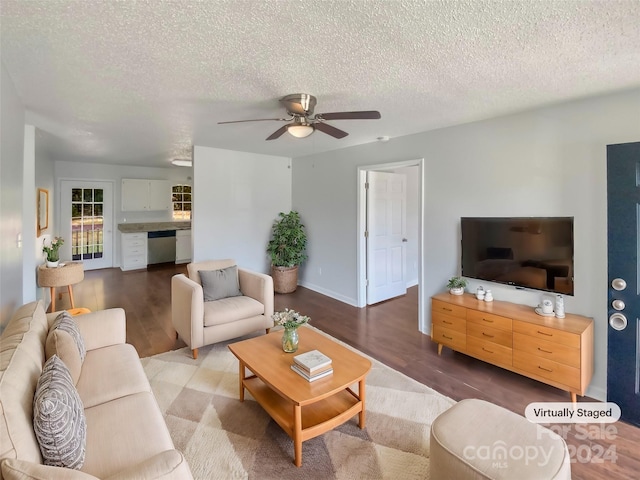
(52, 251)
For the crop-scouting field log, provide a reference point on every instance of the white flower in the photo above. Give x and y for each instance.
(289, 318)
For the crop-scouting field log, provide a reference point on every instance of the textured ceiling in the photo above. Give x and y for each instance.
(139, 82)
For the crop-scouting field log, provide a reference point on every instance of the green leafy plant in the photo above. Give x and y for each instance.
(288, 241)
(456, 282)
(52, 251)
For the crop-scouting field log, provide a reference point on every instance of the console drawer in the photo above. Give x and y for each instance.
(490, 334)
(489, 319)
(543, 367)
(489, 352)
(447, 321)
(451, 338)
(547, 333)
(448, 309)
(545, 349)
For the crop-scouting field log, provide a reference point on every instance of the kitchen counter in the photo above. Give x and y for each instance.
(153, 226)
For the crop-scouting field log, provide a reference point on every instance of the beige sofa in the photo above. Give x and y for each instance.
(199, 322)
(126, 436)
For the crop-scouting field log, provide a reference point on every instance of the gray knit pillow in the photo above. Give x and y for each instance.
(58, 417)
(65, 322)
(219, 284)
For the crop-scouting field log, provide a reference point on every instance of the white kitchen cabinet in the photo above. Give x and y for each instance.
(139, 195)
(183, 246)
(133, 249)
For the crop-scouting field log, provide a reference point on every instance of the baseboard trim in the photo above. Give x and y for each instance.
(597, 392)
(330, 293)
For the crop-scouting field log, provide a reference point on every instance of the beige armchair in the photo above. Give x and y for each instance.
(201, 323)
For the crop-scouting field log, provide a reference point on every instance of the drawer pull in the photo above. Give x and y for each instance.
(547, 334)
(486, 320)
(488, 351)
(487, 335)
(545, 369)
(543, 350)
(447, 309)
(448, 323)
(448, 338)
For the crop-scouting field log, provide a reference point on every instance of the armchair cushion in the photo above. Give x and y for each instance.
(218, 284)
(230, 310)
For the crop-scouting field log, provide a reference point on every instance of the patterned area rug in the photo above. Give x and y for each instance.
(223, 438)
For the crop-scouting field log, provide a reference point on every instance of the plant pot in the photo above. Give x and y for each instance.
(52, 264)
(285, 279)
(456, 291)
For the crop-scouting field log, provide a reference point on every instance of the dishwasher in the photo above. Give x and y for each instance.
(161, 247)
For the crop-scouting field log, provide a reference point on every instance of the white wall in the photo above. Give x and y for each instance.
(546, 162)
(12, 116)
(236, 198)
(115, 173)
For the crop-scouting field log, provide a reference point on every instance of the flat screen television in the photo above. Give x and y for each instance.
(526, 252)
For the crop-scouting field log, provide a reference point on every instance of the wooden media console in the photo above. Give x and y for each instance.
(556, 351)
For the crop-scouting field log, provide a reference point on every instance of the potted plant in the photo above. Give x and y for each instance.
(287, 251)
(456, 285)
(52, 251)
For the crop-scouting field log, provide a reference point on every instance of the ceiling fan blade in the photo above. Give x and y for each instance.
(278, 133)
(259, 120)
(364, 115)
(329, 130)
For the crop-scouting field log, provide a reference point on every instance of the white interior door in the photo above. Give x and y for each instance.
(86, 222)
(386, 241)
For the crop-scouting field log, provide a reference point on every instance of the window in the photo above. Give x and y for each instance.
(181, 199)
(87, 223)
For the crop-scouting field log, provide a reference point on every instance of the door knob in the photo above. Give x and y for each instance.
(405, 240)
(618, 284)
(618, 305)
(618, 321)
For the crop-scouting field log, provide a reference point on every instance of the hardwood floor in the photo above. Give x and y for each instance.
(388, 332)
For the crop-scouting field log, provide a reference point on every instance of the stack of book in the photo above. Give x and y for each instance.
(312, 365)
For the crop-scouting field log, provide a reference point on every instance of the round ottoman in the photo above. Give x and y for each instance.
(475, 439)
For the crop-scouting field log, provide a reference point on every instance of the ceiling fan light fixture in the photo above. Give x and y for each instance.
(179, 162)
(300, 131)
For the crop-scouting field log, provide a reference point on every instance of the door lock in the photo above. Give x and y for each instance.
(618, 321)
(619, 284)
(618, 305)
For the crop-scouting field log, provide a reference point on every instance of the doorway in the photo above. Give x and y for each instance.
(416, 215)
(86, 222)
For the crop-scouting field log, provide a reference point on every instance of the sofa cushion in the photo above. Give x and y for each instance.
(124, 432)
(13, 469)
(217, 284)
(230, 310)
(65, 322)
(62, 344)
(21, 360)
(109, 373)
(58, 417)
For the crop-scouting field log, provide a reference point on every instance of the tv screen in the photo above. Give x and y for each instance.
(531, 252)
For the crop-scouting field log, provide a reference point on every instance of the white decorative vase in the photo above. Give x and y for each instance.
(456, 291)
(52, 264)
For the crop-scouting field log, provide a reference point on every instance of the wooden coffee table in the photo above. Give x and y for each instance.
(303, 409)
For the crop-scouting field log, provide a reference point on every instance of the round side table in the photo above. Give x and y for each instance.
(68, 274)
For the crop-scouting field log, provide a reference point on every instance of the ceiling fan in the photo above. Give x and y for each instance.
(303, 122)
